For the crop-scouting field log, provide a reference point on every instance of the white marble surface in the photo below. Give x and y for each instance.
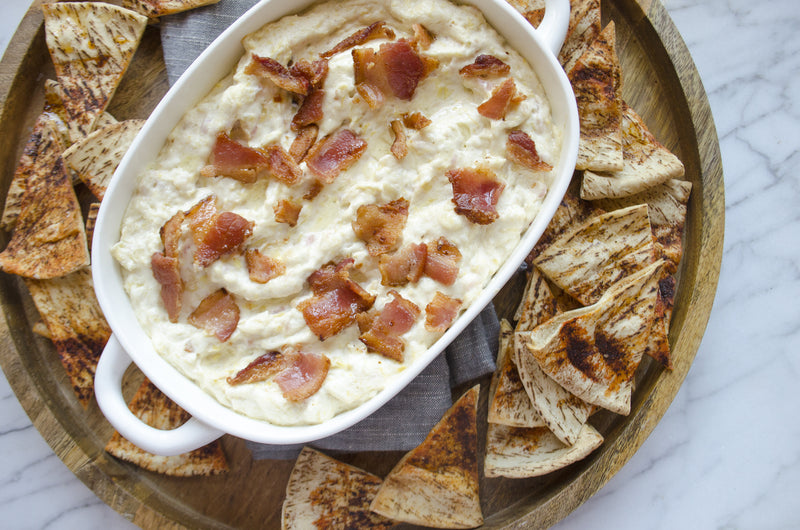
(726, 454)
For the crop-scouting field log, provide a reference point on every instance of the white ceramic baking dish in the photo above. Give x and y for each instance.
(129, 343)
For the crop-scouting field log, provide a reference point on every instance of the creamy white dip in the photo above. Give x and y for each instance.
(456, 137)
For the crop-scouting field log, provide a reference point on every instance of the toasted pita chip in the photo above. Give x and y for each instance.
(91, 219)
(159, 8)
(41, 151)
(41, 329)
(520, 453)
(597, 84)
(667, 209)
(49, 238)
(91, 45)
(436, 484)
(54, 104)
(323, 492)
(571, 212)
(584, 27)
(601, 251)
(96, 157)
(658, 344)
(563, 413)
(532, 10)
(155, 409)
(508, 402)
(538, 304)
(76, 325)
(593, 352)
(646, 163)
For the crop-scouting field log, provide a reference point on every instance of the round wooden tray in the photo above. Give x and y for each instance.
(660, 82)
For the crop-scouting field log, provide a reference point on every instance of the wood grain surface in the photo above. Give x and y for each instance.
(659, 81)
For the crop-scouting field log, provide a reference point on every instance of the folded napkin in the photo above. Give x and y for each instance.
(404, 421)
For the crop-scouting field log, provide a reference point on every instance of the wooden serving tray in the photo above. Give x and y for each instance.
(659, 81)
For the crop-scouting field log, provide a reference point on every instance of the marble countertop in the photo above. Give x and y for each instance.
(726, 453)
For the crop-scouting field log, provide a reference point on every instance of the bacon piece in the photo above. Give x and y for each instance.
(217, 314)
(422, 37)
(313, 190)
(399, 147)
(403, 67)
(310, 110)
(215, 234)
(521, 149)
(370, 79)
(383, 333)
(497, 105)
(306, 136)
(260, 369)
(486, 66)
(475, 193)
(396, 69)
(304, 376)
(441, 263)
(268, 68)
(404, 266)
(298, 374)
(170, 233)
(441, 312)
(281, 166)
(315, 72)
(335, 154)
(377, 30)
(226, 234)
(336, 299)
(287, 211)
(415, 120)
(261, 268)
(380, 226)
(167, 272)
(371, 94)
(234, 160)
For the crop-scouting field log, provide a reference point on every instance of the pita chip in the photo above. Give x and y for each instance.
(508, 402)
(159, 8)
(91, 45)
(563, 413)
(155, 409)
(532, 10)
(96, 157)
(571, 212)
(436, 484)
(519, 453)
(667, 205)
(584, 27)
(91, 220)
(41, 151)
(604, 249)
(323, 492)
(646, 163)
(597, 84)
(76, 326)
(594, 352)
(49, 239)
(538, 304)
(54, 104)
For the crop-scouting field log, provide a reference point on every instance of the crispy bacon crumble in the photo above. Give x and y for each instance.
(475, 193)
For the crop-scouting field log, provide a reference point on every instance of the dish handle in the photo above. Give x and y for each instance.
(553, 27)
(108, 390)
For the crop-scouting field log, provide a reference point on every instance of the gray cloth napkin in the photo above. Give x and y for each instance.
(405, 420)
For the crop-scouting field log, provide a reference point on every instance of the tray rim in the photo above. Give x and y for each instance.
(83, 460)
